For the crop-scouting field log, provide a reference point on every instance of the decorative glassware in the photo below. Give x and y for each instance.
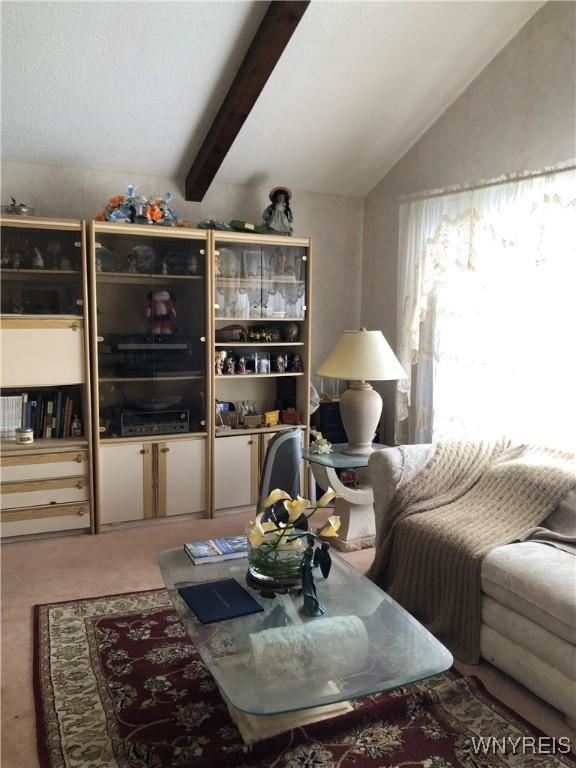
(279, 566)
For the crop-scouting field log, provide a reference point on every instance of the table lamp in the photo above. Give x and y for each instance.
(357, 357)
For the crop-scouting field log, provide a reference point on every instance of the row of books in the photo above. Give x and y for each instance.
(50, 414)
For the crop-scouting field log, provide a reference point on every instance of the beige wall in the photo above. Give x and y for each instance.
(519, 114)
(333, 221)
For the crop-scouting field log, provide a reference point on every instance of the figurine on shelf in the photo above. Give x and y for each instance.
(65, 264)
(297, 364)
(53, 251)
(278, 216)
(160, 312)
(16, 260)
(192, 265)
(38, 260)
(76, 426)
(242, 365)
(220, 360)
(229, 366)
(280, 364)
(98, 264)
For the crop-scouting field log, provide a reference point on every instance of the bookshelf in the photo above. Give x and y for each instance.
(47, 485)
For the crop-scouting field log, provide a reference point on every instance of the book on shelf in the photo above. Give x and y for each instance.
(48, 413)
(216, 550)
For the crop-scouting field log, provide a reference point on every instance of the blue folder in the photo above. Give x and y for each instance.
(219, 600)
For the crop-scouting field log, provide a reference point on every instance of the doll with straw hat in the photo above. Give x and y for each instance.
(278, 215)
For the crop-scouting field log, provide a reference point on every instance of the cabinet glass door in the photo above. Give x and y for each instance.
(260, 281)
(41, 271)
(151, 318)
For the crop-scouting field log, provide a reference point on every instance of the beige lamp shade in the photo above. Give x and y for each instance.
(362, 356)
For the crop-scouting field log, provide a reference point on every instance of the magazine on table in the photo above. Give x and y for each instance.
(216, 550)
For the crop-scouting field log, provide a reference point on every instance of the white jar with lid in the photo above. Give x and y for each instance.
(24, 435)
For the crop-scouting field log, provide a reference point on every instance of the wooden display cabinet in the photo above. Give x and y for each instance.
(262, 322)
(150, 326)
(47, 485)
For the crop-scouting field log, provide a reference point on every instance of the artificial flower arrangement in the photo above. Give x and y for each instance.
(285, 520)
(138, 209)
(282, 545)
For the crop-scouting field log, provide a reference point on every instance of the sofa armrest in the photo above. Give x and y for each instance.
(390, 469)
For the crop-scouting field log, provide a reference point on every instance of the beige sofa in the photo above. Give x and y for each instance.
(529, 591)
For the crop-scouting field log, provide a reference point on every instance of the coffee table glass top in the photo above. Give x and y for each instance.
(339, 460)
(278, 661)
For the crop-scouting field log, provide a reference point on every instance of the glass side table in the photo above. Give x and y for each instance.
(355, 505)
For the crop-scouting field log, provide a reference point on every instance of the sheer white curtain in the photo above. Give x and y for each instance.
(487, 313)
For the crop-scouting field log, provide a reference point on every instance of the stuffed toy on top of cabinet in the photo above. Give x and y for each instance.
(160, 312)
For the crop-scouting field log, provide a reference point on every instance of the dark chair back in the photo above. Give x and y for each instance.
(281, 465)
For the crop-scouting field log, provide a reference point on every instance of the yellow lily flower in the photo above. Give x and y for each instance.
(258, 531)
(329, 496)
(331, 526)
(296, 507)
(275, 496)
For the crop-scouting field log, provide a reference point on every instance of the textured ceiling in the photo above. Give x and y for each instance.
(133, 86)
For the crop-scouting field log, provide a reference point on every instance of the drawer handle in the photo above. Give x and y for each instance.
(202, 251)
(202, 338)
(53, 502)
(97, 245)
(99, 339)
(74, 326)
(203, 422)
(80, 302)
(144, 451)
(165, 450)
(81, 512)
(77, 244)
(250, 442)
(216, 253)
(79, 458)
(80, 484)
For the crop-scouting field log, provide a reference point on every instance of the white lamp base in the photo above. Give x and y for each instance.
(360, 409)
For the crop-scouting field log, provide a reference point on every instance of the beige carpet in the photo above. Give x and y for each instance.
(67, 568)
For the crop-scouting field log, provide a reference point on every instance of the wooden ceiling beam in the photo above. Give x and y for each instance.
(272, 36)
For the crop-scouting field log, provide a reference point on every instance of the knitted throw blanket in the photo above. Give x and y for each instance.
(469, 499)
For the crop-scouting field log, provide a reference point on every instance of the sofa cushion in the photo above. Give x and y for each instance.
(525, 633)
(546, 681)
(536, 580)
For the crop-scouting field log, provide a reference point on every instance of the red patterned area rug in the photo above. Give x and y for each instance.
(118, 684)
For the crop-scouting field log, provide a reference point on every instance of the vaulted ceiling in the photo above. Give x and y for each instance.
(134, 86)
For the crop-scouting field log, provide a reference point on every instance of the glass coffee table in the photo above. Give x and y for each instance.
(277, 661)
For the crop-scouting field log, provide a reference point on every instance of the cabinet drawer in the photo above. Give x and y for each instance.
(60, 517)
(37, 466)
(43, 356)
(36, 493)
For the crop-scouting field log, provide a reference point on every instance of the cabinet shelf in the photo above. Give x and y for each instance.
(56, 444)
(260, 320)
(259, 344)
(258, 430)
(133, 379)
(33, 274)
(248, 376)
(137, 439)
(138, 277)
